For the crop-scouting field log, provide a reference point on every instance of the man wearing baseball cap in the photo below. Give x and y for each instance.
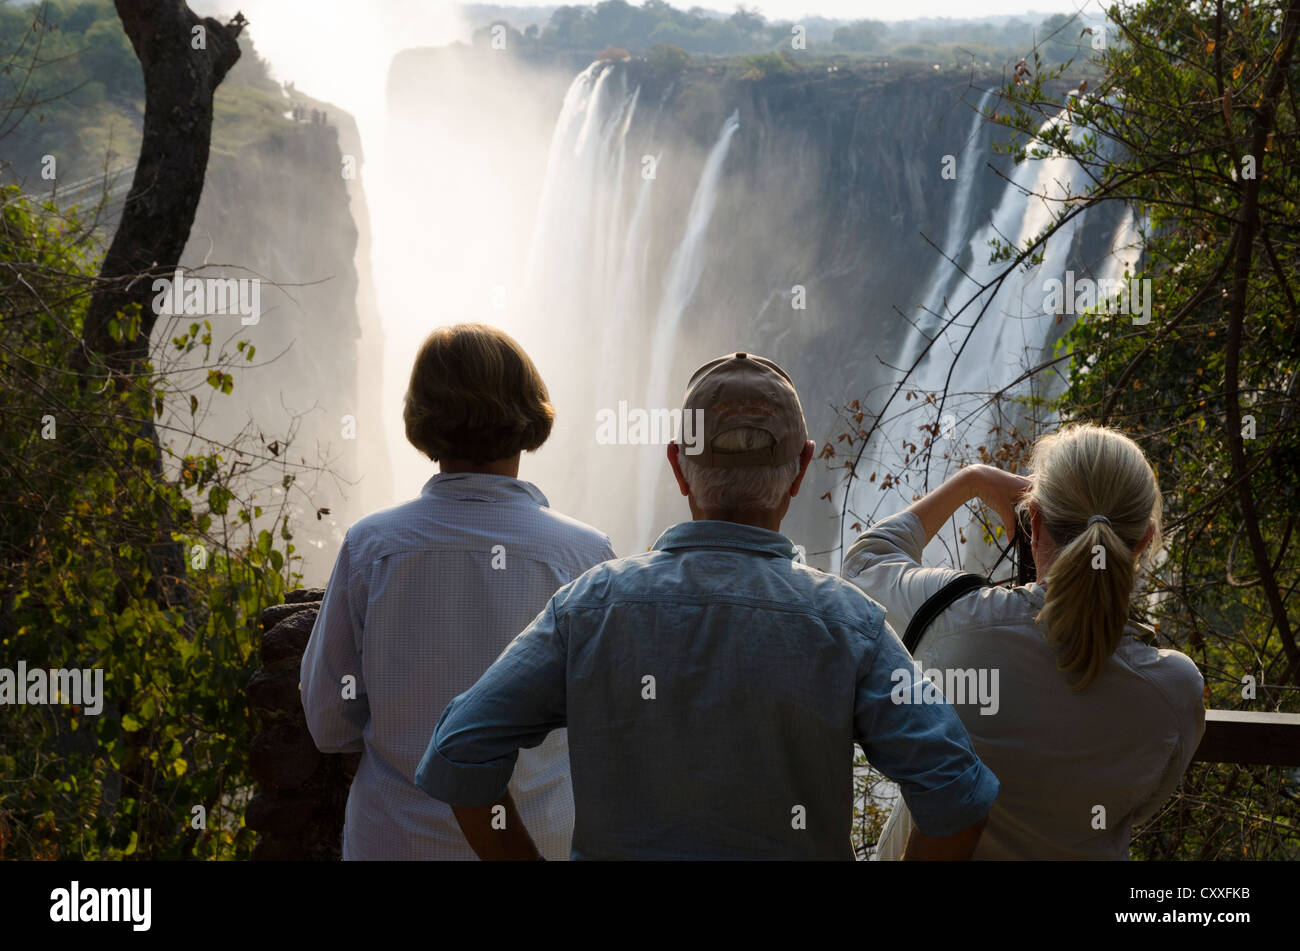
(713, 687)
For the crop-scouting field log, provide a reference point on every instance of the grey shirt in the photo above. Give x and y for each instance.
(1077, 769)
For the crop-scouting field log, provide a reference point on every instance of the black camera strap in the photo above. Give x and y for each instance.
(966, 583)
(937, 603)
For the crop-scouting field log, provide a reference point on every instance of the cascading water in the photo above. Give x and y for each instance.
(592, 282)
(587, 275)
(971, 363)
(957, 232)
(684, 272)
(583, 196)
(608, 275)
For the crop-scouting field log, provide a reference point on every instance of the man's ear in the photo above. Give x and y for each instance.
(805, 457)
(673, 454)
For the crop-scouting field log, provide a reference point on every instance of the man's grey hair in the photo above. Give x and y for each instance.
(745, 487)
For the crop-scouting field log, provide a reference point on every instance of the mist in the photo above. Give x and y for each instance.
(626, 223)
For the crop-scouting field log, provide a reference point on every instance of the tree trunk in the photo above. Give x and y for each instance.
(184, 58)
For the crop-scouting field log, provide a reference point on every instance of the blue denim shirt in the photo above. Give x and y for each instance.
(713, 689)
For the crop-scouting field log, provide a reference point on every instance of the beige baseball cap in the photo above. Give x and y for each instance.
(745, 390)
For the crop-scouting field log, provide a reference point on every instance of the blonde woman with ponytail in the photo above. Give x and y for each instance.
(1088, 728)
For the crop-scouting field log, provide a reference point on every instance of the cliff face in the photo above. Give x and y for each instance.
(842, 174)
(818, 240)
(279, 205)
(282, 203)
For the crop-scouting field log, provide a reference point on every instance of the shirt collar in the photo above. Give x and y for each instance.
(714, 533)
(1037, 593)
(481, 487)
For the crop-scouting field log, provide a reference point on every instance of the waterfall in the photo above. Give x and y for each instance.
(1014, 332)
(590, 277)
(574, 261)
(687, 263)
(588, 283)
(945, 275)
(583, 255)
(684, 272)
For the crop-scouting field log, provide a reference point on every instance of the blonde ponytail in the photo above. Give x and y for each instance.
(1098, 496)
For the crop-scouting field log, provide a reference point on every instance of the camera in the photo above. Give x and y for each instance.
(1025, 570)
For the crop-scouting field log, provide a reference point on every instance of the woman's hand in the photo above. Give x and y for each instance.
(1000, 491)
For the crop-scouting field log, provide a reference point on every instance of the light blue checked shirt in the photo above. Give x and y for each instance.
(423, 598)
(713, 690)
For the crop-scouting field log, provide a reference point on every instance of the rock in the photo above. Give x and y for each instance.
(288, 638)
(283, 756)
(270, 691)
(302, 794)
(304, 595)
(279, 815)
(275, 848)
(278, 612)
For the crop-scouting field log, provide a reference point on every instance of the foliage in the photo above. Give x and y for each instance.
(89, 504)
(1186, 96)
(667, 60)
(73, 89)
(759, 65)
(617, 23)
(1192, 124)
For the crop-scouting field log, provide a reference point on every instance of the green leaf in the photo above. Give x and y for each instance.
(142, 451)
(219, 499)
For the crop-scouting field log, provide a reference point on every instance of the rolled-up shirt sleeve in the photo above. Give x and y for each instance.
(909, 732)
(513, 706)
(337, 709)
(885, 562)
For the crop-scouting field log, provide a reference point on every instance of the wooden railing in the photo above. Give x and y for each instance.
(1250, 739)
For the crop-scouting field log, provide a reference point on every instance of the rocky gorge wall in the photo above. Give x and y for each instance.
(283, 203)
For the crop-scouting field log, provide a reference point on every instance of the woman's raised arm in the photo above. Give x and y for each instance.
(885, 561)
